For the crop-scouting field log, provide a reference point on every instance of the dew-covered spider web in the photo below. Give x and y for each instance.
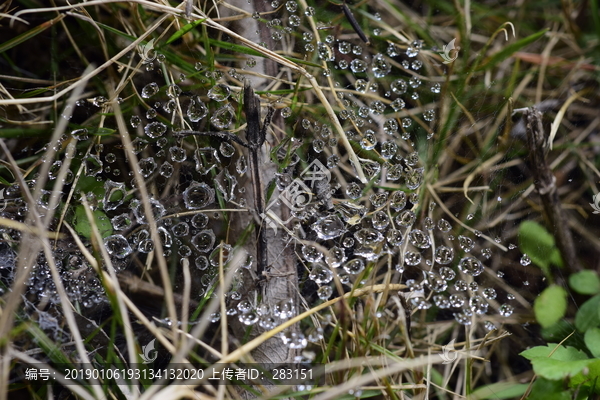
(356, 191)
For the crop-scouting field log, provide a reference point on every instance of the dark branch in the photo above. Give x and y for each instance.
(256, 137)
(545, 183)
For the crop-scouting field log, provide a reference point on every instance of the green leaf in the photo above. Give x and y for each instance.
(556, 362)
(550, 306)
(538, 244)
(544, 389)
(83, 226)
(592, 341)
(510, 50)
(585, 282)
(88, 184)
(587, 316)
(590, 377)
(185, 29)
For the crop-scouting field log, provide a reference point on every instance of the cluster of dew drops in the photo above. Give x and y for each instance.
(361, 227)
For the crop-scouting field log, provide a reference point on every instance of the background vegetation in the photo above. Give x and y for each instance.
(130, 198)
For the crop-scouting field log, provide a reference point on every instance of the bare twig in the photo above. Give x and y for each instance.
(545, 183)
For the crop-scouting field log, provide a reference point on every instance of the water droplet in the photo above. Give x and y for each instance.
(444, 225)
(344, 47)
(241, 166)
(80, 134)
(478, 305)
(248, 319)
(361, 85)
(525, 260)
(353, 190)
(489, 293)
(324, 292)
(369, 141)
(219, 92)
(181, 229)
(370, 168)
(414, 178)
(354, 267)
(329, 227)
(92, 165)
(226, 183)
(114, 195)
(320, 274)
(196, 110)
(429, 115)
(419, 239)
(206, 159)
(378, 199)
(325, 52)
(150, 90)
(380, 66)
(223, 117)
(121, 222)
(155, 129)
(394, 237)
(435, 282)
(368, 237)
(311, 253)
(204, 240)
(444, 255)
(466, 243)
(173, 91)
(117, 245)
(406, 218)
(294, 340)
(166, 169)
(335, 257)
(471, 266)
(399, 86)
(318, 145)
(286, 112)
(198, 195)
(380, 220)
(147, 166)
(99, 101)
(447, 273)
(412, 258)
(357, 66)
(377, 107)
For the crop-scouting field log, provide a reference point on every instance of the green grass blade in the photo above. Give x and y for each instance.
(185, 29)
(510, 50)
(29, 34)
(251, 52)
